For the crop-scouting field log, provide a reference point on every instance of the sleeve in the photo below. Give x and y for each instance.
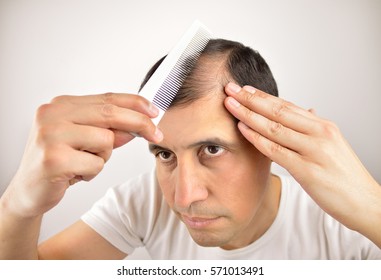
(125, 216)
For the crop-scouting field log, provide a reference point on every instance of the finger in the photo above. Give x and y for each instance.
(274, 109)
(277, 153)
(95, 140)
(117, 118)
(103, 116)
(86, 165)
(121, 138)
(245, 93)
(60, 164)
(312, 111)
(274, 131)
(129, 101)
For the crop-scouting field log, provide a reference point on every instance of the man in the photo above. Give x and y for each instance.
(212, 194)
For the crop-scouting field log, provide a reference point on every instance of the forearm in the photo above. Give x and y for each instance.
(314, 152)
(18, 235)
(370, 223)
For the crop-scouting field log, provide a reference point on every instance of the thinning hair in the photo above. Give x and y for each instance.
(222, 61)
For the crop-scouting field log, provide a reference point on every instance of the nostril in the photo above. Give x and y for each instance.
(187, 194)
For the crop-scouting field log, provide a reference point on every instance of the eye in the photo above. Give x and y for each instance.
(165, 156)
(213, 150)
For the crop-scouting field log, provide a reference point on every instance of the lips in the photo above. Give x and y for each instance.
(199, 222)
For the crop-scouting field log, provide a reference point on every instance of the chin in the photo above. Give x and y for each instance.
(207, 239)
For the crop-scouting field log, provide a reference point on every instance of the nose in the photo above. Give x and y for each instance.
(190, 186)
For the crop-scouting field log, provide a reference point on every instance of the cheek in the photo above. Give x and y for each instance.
(243, 191)
(236, 182)
(165, 183)
(244, 182)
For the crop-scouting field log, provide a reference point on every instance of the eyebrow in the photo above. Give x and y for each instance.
(215, 141)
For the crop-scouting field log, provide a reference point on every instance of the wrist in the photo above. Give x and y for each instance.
(11, 206)
(18, 233)
(369, 223)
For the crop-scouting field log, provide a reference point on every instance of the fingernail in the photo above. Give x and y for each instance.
(250, 89)
(234, 87)
(234, 102)
(158, 135)
(153, 109)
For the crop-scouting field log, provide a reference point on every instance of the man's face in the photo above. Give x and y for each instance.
(212, 178)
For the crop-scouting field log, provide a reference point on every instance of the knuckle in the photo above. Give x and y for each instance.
(248, 114)
(331, 128)
(108, 98)
(45, 132)
(60, 99)
(260, 94)
(108, 110)
(45, 135)
(53, 158)
(275, 148)
(51, 112)
(44, 111)
(279, 109)
(275, 128)
(250, 98)
(328, 129)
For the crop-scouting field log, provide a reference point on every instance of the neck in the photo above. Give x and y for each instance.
(269, 208)
(265, 215)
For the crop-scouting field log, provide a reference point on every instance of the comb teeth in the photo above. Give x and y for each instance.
(187, 60)
(168, 78)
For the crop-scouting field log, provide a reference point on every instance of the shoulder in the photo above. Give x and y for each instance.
(141, 183)
(126, 214)
(136, 192)
(139, 197)
(294, 195)
(331, 238)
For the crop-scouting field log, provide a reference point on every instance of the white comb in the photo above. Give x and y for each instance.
(166, 81)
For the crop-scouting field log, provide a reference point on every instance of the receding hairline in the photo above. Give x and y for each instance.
(222, 61)
(209, 76)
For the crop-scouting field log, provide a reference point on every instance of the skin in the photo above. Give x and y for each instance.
(215, 181)
(315, 153)
(73, 137)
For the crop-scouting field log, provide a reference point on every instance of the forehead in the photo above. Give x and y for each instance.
(205, 118)
(208, 76)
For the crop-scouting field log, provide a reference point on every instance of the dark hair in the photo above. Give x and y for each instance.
(238, 63)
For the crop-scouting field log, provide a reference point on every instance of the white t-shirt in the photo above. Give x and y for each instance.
(135, 214)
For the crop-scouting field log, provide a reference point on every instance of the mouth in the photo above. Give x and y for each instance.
(199, 222)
